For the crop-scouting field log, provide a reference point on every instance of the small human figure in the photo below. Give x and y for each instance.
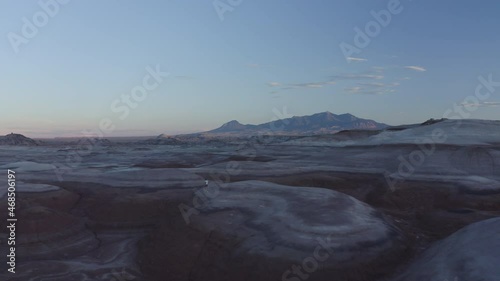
(206, 182)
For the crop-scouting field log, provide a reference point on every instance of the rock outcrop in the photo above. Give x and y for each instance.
(471, 254)
(256, 230)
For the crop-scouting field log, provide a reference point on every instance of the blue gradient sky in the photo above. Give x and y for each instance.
(263, 55)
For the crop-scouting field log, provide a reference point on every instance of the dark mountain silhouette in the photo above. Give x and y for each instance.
(17, 139)
(325, 122)
(233, 126)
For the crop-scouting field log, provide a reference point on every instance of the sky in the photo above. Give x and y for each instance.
(140, 68)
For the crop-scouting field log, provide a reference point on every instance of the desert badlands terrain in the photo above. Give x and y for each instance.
(413, 203)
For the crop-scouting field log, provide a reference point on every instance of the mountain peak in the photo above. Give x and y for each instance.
(347, 115)
(231, 126)
(232, 123)
(319, 123)
(17, 139)
(324, 113)
(327, 115)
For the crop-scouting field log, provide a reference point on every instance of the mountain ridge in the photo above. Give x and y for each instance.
(17, 140)
(319, 123)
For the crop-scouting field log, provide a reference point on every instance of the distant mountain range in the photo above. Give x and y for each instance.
(17, 139)
(316, 124)
(320, 123)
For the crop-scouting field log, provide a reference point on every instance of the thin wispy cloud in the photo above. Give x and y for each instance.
(353, 90)
(312, 84)
(416, 68)
(378, 85)
(378, 69)
(376, 73)
(367, 82)
(375, 84)
(309, 85)
(491, 103)
(353, 59)
(372, 88)
(357, 77)
(482, 104)
(367, 91)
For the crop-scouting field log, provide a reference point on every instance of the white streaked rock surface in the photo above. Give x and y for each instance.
(254, 224)
(288, 218)
(472, 254)
(28, 166)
